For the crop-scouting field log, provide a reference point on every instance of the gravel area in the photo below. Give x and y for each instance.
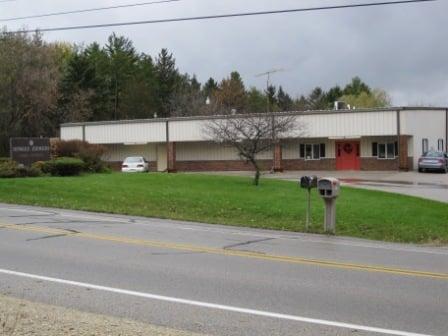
(20, 318)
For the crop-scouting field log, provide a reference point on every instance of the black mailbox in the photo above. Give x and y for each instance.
(308, 182)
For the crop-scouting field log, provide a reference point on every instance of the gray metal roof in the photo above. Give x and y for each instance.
(361, 110)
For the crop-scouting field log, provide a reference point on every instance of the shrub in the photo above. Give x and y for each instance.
(8, 169)
(34, 172)
(4, 159)
(89, 153)
(38, 165)
(64, 166)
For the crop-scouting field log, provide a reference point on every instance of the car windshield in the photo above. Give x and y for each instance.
(433, 154)
(133, 160)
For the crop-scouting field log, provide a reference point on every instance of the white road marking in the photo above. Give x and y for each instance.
(213, 305)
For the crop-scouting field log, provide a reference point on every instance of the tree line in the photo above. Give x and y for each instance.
(45, 84)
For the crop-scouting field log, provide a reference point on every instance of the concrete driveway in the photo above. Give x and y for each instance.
(427, 185)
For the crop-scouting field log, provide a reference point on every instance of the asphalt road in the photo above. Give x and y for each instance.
(222, 280)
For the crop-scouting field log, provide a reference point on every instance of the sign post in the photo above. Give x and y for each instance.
(26, 151)
(308, 182)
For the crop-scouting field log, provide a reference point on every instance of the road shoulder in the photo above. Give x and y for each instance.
(20, 317)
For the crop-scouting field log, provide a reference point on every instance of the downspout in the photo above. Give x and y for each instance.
(399, 138)
(446, 130)
(167, 140)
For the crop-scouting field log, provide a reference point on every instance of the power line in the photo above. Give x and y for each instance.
(85, 10)
(221, 16)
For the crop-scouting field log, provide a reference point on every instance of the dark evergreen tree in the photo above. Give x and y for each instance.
(333, 95)
(122, 67)
(284, 100)
(167, 77)
(210, 87)
(271, 94)
(317, 100)
(356, 87)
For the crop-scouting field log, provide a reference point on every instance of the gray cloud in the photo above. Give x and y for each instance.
(402, 49)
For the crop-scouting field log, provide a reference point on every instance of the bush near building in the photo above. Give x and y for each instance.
(64, 166)
(11, 169)
(90, 154)
(70, 158)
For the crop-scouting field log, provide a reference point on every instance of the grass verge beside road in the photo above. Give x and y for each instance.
(278, 205)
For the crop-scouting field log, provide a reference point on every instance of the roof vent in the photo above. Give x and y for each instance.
(340, 105)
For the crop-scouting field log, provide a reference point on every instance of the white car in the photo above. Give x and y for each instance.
(135, 164)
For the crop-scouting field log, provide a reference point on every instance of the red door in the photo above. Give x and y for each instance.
(347, 155)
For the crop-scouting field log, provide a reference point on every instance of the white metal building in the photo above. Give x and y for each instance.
(361, 139)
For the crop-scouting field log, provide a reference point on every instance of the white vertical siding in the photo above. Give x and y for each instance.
(118, 152)
(208, 151)
(137, 133)
(353, 124)
(71, 133)
(426, 124)
(188, 130)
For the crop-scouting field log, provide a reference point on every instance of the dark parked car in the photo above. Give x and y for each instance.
(433, 160)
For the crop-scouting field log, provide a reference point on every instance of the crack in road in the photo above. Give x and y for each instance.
(69, 232)
(47, 237)
(228, 247)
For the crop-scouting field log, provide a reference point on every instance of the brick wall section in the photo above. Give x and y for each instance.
(222, 165)
(301, 164)
(374, 164)
(278, 159)
(171, 155)
(403, 161)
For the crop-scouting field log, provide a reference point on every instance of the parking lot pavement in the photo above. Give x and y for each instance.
(432, 186)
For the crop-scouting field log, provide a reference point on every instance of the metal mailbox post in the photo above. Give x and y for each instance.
(329, 188)
(308, 182)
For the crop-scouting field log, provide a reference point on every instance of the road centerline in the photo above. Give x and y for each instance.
(227, 252)
(214, 306)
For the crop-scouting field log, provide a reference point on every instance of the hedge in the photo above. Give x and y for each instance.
(64, 166)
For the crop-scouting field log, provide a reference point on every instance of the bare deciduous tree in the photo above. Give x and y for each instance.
(251, 135)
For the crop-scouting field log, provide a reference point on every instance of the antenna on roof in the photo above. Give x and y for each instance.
(268, 74)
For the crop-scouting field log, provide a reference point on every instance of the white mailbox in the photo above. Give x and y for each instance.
(328, 187)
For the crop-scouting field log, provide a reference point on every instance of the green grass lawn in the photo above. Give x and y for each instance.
(274, 204)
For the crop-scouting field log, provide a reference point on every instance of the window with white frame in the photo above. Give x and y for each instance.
(440, 144)
(312, 151)
(386, 150)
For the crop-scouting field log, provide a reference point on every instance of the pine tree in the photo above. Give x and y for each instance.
(167, 76)
(284, 100)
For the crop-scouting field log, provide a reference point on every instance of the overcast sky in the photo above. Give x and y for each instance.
(402, 49)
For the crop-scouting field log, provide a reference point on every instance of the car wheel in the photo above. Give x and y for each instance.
(420, 170)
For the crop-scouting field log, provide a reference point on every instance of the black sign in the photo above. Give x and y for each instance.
(29, 150)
